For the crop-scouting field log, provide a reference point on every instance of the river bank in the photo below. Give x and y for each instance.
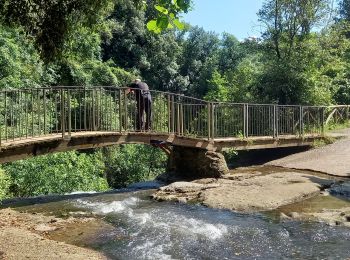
(27, 236)
(71, 223)
(130, 225)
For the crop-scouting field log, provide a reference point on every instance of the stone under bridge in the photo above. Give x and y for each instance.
(46, 120)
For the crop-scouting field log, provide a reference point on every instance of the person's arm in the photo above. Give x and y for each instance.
(129, 89)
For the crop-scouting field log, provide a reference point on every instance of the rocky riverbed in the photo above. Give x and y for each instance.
(285, 194)
(263, 188)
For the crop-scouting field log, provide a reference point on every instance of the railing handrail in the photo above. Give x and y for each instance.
(28, 112)
(169, 93)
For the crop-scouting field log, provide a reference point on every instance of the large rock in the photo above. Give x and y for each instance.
(247, 193)
(196, 163)
(182, 191)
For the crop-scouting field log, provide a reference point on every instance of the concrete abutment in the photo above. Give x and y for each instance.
(194, 163)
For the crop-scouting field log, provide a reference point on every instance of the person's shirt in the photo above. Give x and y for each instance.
(140, 88)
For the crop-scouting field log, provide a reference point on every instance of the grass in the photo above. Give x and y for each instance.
(323, 141)
(335, 126)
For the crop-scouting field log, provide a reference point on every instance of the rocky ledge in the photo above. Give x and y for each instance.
(248, 192)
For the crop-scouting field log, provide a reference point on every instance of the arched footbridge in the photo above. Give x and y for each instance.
(45, 120)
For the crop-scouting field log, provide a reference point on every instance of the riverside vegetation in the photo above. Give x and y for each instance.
(302, 57)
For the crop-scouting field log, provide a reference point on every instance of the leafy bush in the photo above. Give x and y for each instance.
(56, 174)
(20, 64)
(126, 164)
(4, 184)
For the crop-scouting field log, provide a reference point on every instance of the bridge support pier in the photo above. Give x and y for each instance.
(195, 163)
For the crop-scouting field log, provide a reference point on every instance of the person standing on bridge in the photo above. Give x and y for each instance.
(144, 104)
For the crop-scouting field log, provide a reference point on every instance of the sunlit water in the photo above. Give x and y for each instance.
(145, 229)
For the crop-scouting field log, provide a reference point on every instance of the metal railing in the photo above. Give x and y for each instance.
(28, 113)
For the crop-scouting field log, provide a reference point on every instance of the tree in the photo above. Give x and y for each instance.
(154, 57)
(230, 54)
(292, 52)
(199, 59)
(52, 22)
(287, 23)
(20, 64)
(344, 10)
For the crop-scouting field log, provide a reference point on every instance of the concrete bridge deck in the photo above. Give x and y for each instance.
(23, 148)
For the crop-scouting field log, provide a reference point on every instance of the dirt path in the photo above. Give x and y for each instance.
(333, 159)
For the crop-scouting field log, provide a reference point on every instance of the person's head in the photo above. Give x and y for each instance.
(137, 81)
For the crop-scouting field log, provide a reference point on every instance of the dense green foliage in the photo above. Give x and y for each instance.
(302, 57)
(5, 183)
(52, 22)
(126, 164)
(59, 173)
(56, 174)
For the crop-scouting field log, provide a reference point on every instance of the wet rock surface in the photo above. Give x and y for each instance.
(333, 217)
(246, 192)
(184, 191)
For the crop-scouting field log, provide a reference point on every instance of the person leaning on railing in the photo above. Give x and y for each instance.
(144, 104)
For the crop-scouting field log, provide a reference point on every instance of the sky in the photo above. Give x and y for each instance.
(237, 17)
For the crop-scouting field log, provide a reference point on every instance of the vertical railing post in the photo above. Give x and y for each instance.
(126, 112)
(120, 111)
(246, 119)
(178, 118)
(85, 110)
(323, 120)
(63, 117)
(169, 113)
(301, 121)
(275, 121)
(93, 110)
(182, 119)
(213, 121)
(209, 120)
(44, 104)
(69, 114)
(5, 114)
(173, 114)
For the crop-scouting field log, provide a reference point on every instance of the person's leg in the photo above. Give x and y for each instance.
(148, 108)
(139, 117)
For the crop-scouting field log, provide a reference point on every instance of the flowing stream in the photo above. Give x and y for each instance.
(140, 228)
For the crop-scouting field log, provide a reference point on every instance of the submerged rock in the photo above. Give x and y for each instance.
(342, 189)
(333, 217)
(182, 191)
(146, 185)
